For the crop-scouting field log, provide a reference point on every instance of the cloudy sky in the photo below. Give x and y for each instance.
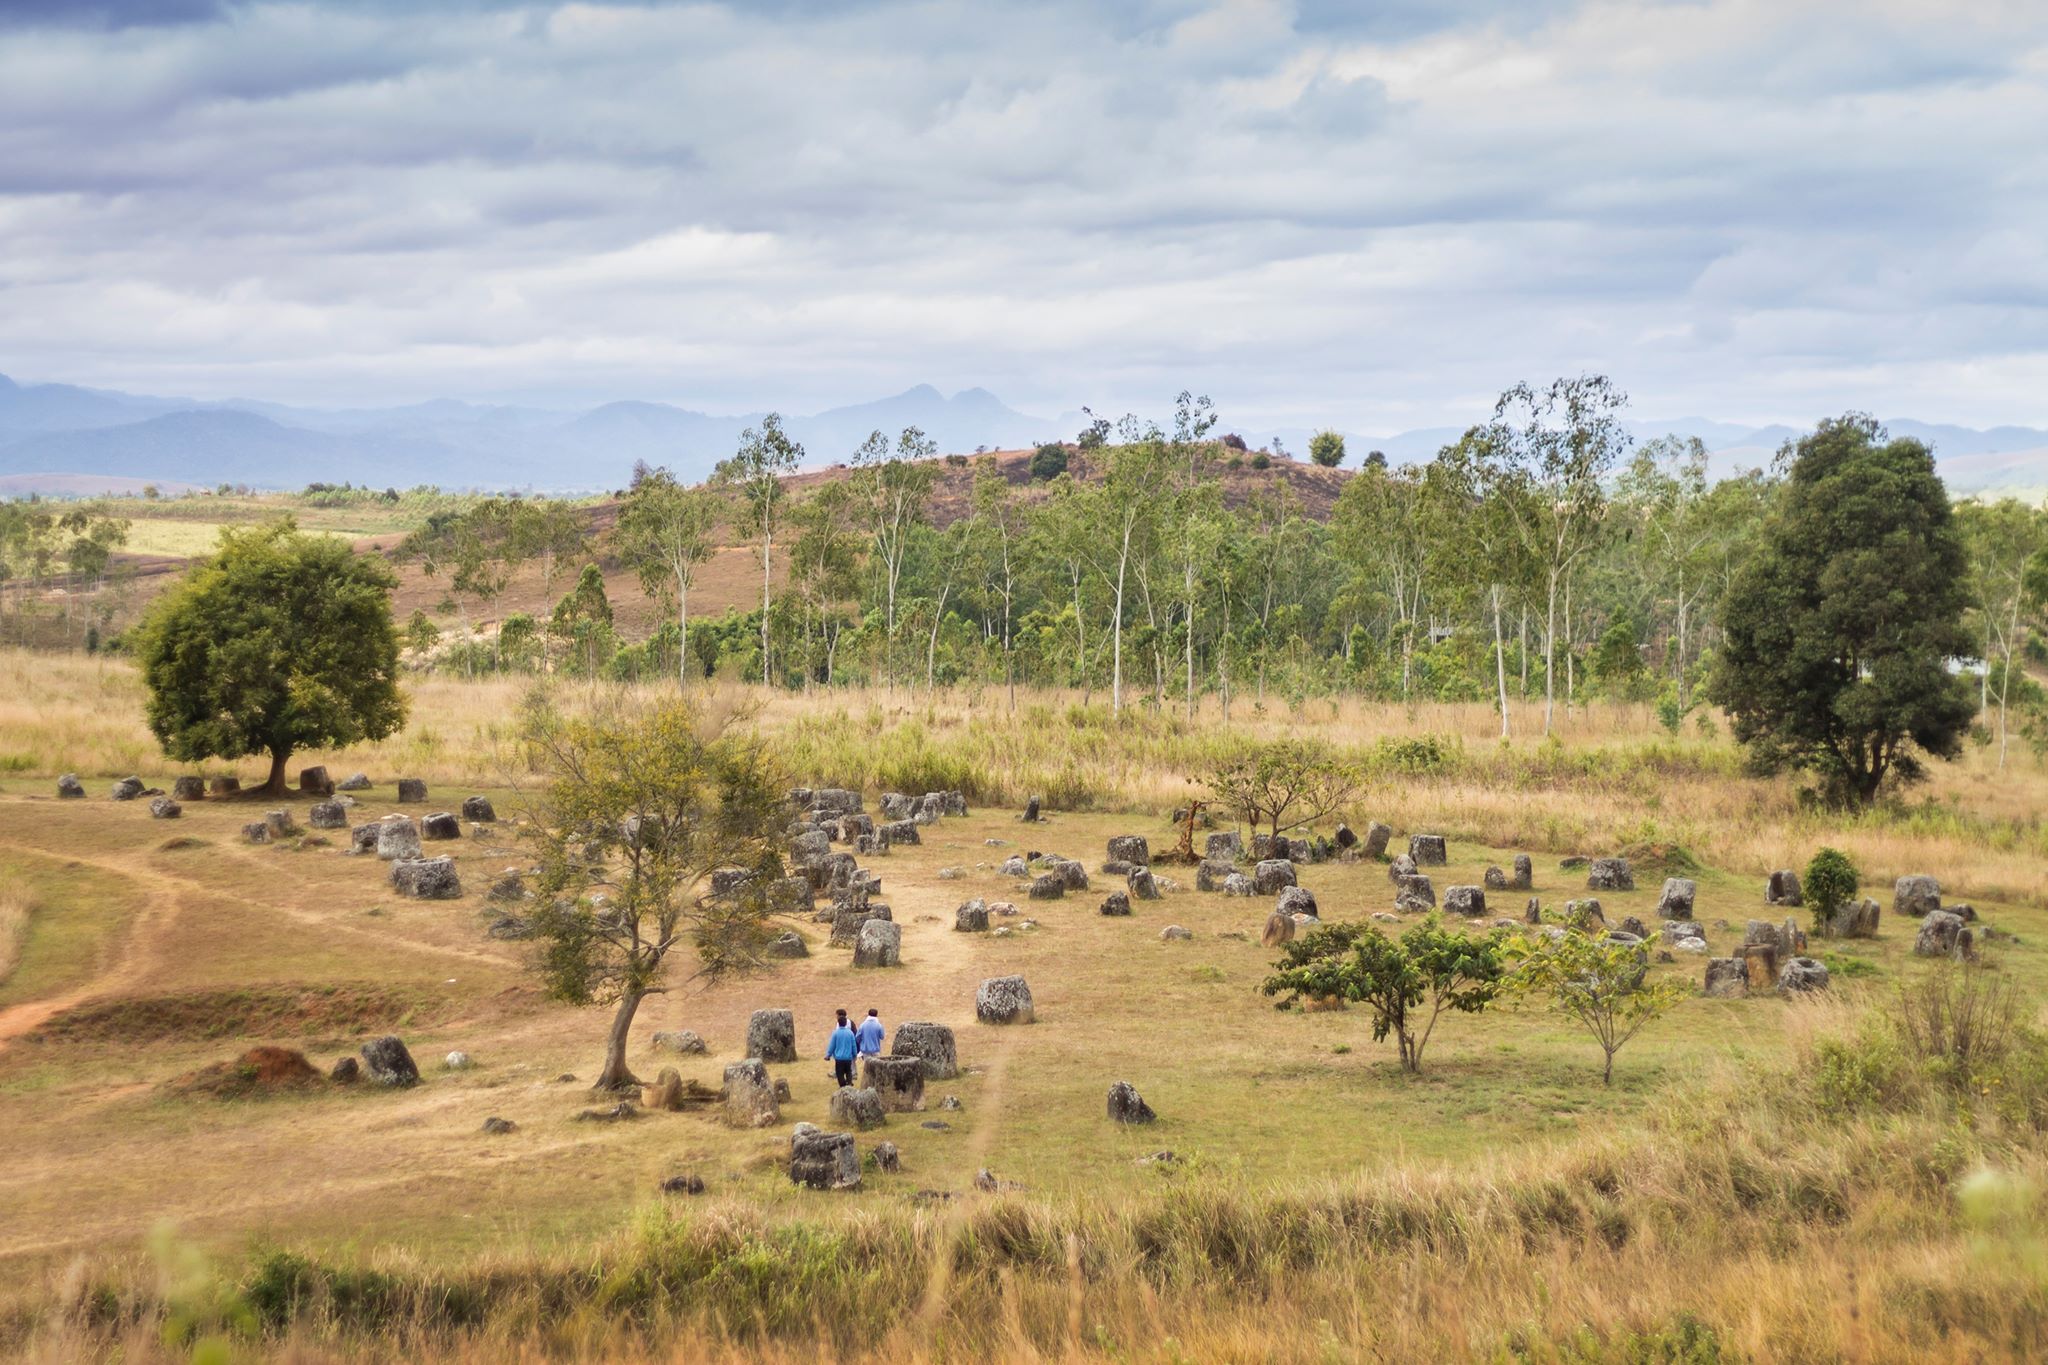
(1371, 214)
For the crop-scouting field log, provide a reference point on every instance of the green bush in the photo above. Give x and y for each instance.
(1866, 1070)
(1048, 462)
(1830, 883)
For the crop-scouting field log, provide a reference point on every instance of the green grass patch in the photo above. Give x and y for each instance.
(77, 914)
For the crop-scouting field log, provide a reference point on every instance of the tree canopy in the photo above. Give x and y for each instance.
(277, 642)
(1842, 628)
(641, 806)
(1407, 983)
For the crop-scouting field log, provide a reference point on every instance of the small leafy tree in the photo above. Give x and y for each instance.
(276, 643)
(1617, 664)
(1326, 448)
(1603, 984)
(1286, 784)
(640, 807)
(421, 634)
(1831, 882)
(1408, 984)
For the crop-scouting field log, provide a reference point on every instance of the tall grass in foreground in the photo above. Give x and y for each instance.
(1874, 1198)
(1610, 778)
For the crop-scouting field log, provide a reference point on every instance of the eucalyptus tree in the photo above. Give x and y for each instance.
(755, 472)
(1383, 526)
(548, 531)
(1680, 531)
(1121, 512)
(1058, 541)
(1196, 505)
(999, 531)
(666, 531)
(2007, 543)
(1559, 443)
(894, 490)
(476, 545)
(1479, 494)
(824, 567)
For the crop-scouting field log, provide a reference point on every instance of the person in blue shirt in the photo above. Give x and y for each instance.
(840, 1051)
(869, 1035)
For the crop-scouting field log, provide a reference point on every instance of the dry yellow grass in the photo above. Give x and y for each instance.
(1610, 778)
(16, 905)
(1502, 1206)
(1732, 1225)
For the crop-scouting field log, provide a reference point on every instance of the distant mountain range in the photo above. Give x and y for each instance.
(68, 441)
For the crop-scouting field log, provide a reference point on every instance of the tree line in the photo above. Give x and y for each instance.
(57, 572)
(1543, 555)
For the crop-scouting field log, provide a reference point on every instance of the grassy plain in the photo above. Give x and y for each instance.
(1323, 1205)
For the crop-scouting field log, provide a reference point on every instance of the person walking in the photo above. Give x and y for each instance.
(840, 1051)
(869, 1035)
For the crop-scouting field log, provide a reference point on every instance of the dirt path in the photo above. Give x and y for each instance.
(139, 951)
(136, 953)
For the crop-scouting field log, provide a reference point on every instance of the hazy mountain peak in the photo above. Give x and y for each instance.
(62, 430)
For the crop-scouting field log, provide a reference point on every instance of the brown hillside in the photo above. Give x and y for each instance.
(732, 578)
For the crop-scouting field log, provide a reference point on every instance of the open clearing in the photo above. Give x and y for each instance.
(1238, 1084)
(151, 949)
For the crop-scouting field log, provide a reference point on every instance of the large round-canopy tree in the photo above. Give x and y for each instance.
(277, 643)
(1842, 628)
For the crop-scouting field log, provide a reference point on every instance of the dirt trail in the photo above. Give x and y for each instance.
(135, 954)
(138, 952)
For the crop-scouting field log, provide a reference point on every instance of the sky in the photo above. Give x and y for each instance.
(1372, 215)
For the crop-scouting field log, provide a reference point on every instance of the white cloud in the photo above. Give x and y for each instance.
(1756, 210)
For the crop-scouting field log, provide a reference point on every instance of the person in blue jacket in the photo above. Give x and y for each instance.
(869, 1035)
(840, 1051)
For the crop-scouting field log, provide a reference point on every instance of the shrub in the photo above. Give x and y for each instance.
(1326, 448)
(1963, 1020)
(1262, 461)
(1048, 462)
(1234, 441)
(1830, 882)
(1670, 711)
(1865, 1070)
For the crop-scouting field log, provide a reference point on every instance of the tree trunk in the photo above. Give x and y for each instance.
(767, 548)
(931, 648)
(1570, 671)
(1080, 637)
(1550, 659)
(1500, 663)
(616, 1074)
(1116, 651)
(278, 758)
(1525, 649)
(682, 635)
(2005, 678)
